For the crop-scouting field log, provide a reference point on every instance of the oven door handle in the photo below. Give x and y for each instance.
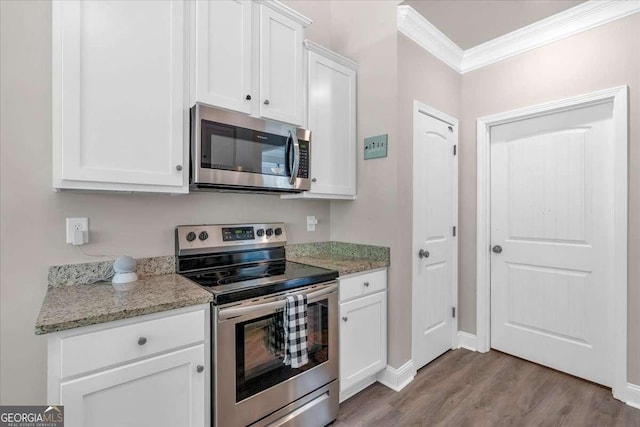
(228, 313)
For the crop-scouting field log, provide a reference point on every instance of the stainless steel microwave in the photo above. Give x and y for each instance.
(235, 152)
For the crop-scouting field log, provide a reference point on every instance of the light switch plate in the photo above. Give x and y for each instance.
(375, 146)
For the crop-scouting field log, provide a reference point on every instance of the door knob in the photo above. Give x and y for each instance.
(345, 318)
(248, 97)
(178, 167)
(266, 102)
(423, 254)
(200, 368)
(497, 249)
(142, 341)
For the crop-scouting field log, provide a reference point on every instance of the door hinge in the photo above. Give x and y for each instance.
(454, 231)
(453, 312)
(455, 149)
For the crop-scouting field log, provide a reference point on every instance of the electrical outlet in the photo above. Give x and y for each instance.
(75, 225)
(312, 221)
(376, 146)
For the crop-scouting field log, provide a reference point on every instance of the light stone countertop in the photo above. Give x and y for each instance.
(73, 306)
(343, 264)
(346, 258)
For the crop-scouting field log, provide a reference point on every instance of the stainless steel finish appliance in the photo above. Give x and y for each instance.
(235, 152)
(244, 267)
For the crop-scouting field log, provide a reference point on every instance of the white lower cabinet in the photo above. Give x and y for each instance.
(165, 388)
(363, 330)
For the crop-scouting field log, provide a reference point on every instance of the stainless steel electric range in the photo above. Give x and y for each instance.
(244, 267)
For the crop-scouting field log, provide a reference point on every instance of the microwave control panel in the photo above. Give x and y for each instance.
(303, 168)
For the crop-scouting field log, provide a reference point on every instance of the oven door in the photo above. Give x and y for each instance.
(250, 379)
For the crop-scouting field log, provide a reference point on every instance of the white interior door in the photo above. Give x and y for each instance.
(552, 198)
(434, 214)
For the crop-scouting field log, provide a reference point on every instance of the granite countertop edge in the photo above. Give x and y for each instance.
(343, 265)
(166, 292)
(119, 315)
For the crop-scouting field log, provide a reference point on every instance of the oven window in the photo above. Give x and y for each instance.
(260, 345)
(244, 150)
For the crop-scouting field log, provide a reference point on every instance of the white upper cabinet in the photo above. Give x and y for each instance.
(332, 121)
(249, 58)
(281, 73)
(223, 57)
(119, 109)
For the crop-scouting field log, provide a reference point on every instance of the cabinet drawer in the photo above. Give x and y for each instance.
(362, 284)
(95, 350)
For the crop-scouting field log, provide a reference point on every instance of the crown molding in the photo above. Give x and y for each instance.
(321, 50)
(287, 11)
(572, 21)
(423, 32)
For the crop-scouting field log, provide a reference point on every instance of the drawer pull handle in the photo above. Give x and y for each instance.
(366, 284)
(345, 318)
(142, 341)
(200, 368)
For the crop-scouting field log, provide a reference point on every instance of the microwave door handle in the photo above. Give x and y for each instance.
(296, 158)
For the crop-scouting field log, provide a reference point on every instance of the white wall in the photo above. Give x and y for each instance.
(33, 216)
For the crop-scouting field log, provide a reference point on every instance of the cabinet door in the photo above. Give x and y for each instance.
(118, 89)
(165, 391)
(223, 57)
(332, 121)
(281, 74)
(363, 338)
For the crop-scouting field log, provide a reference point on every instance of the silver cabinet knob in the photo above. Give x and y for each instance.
(200, 368)
(142, 341)
(178, 167)
(423, 254)
(497, 249)
(266, 102)
(345, 318)
(366, 284)
(314, 180)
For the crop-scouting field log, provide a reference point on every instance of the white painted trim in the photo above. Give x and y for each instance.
(582, 17)
(285, 10)
(356, 388)
(321, 50)
(633, 395)
(617, 95)
(466, 340)
(397, 379)
(423, 32)
(420, 108)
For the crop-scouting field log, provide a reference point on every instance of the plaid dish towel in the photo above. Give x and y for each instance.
(295, 331)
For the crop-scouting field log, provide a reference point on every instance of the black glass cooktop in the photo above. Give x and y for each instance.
(250, 280)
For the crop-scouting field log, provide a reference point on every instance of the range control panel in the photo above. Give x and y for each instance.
(201, 239)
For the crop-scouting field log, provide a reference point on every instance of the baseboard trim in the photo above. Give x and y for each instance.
(357, 388)
(467, 340)
(633, 395)
(397, 379)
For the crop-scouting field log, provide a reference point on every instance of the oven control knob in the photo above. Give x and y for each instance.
(260, 232)
(203, 235)
(278, 231)
(191, 236)
(269, 232)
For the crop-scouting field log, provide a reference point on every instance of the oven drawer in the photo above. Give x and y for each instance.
(317, 409)
(358, 285)
(106, 347)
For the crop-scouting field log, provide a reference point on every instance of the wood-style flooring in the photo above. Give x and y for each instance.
(464, 388)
